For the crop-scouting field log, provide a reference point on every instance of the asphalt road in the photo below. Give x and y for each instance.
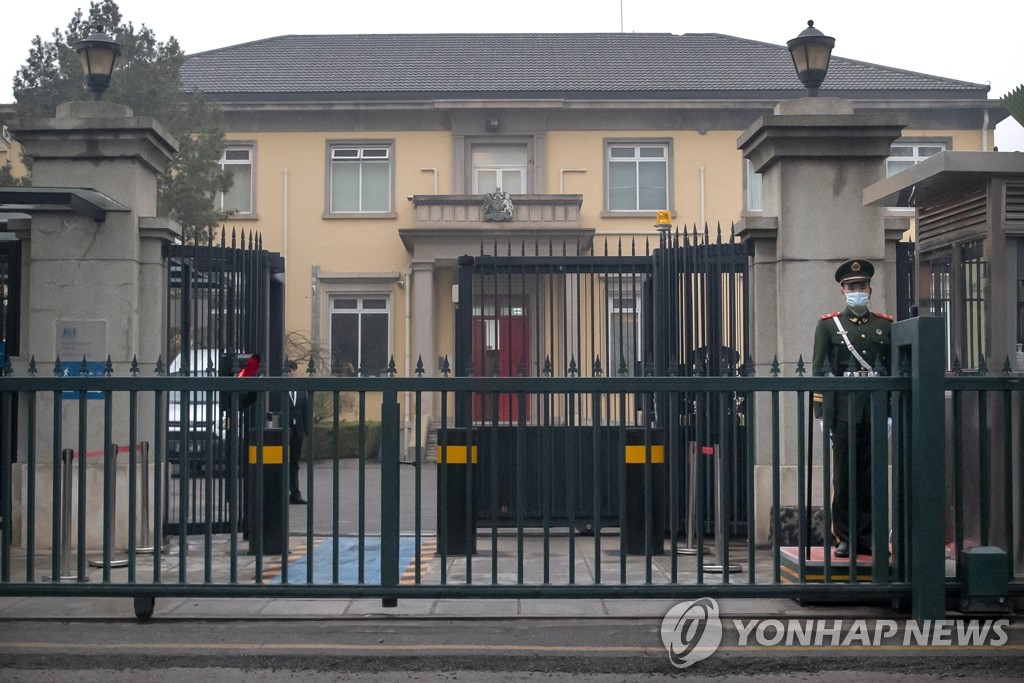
(428, 649)
(234, 639)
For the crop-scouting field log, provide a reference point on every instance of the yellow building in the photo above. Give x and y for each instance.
(365, 159)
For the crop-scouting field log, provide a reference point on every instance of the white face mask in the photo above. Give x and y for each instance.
(857, 299)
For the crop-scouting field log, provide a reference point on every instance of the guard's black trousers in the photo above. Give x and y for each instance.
(841, 456)
(294, 453)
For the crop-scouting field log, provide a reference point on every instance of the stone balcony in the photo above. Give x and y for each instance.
(532, 211)
(455, 224)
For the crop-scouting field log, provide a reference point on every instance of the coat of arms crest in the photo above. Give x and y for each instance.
(498, 206)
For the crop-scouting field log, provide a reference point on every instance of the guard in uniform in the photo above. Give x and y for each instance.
(851, 342)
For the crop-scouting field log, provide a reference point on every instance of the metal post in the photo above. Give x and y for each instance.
(691, 504)
(145, 543)
(110, 525)
(464, 340)
(721, 528)
(390, 496)
(67, 456)
(921, 342)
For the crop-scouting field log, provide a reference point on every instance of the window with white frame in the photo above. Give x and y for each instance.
(637, 176)
(360, 179)
(360, 336)
(623, 332)
(237, 159)
(499, 166)
(903, 155)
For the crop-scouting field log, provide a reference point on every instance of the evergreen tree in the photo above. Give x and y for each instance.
(146, 78)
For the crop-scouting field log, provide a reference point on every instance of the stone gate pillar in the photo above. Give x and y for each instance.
(94, 278)
(100, 277)
(816, 157)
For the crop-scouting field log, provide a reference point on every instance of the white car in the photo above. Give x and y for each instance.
(201, 413)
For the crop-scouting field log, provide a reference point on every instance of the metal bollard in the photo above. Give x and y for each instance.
(67, 457)
(721, 531)
(111, 462)
(690, 548)
(145, 544)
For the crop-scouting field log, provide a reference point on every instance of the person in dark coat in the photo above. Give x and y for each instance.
(301, 415)
(852, 342)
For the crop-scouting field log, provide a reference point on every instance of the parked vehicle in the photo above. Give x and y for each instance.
(198, 412)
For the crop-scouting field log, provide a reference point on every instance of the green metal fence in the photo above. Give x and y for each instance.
(377, 528)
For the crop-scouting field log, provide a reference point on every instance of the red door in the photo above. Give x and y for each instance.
(500, 348)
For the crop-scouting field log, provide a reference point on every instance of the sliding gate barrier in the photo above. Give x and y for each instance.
(371, 527)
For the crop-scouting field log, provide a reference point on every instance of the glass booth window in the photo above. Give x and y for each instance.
(938, 268)
(974, 274)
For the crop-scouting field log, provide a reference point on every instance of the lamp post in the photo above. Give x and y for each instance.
(98, 53)
(811, 51)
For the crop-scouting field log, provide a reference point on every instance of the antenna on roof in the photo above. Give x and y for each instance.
(622, 26)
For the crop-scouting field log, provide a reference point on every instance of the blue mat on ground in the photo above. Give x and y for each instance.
(322, 559)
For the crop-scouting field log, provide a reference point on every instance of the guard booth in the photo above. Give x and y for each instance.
(224, 305)
(970, 271)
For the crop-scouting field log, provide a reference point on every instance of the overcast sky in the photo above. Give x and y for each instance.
(976, 43)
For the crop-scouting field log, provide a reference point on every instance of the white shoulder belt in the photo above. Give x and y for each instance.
(849, 345)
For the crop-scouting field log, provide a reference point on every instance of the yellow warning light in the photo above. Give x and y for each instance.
(664, 218)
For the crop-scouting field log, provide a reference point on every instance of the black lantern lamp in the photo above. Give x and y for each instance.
(811, 51)
(98, 53)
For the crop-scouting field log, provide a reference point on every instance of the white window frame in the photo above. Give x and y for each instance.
(231, 148)
(636, 159)
(616, 294)
(498, 169)
(361, 152)
(915, 144)
(359, 311)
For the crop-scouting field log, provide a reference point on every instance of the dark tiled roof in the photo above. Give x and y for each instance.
(506, 64)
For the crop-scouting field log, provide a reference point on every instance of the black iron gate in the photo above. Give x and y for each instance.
(10, 327)
(674, 305)
(225, 306)
(700, 315)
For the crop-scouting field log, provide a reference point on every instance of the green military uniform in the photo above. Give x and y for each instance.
(870, 335)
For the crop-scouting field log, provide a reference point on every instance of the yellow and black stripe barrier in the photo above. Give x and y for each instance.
(639, 497)
(457, 453)
(267, 511)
